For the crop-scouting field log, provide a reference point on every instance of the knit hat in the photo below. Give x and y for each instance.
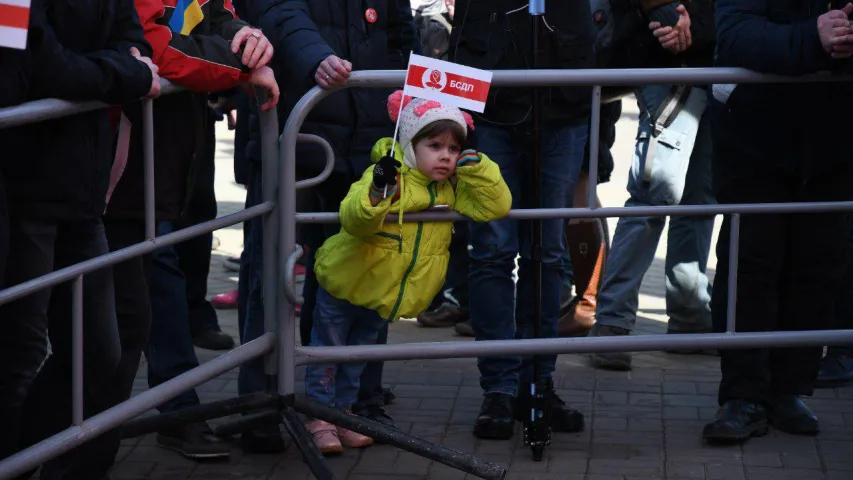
(417, 113)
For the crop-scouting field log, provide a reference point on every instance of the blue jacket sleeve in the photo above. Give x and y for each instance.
(299, 47)
(746, 37)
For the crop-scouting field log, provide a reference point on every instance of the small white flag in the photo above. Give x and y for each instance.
(14, 21)
(447, 83)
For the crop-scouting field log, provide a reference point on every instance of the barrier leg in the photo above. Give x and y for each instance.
(458, 460)
(303, 441)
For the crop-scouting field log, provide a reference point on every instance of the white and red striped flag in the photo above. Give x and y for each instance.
(14, 20)
(447, 83)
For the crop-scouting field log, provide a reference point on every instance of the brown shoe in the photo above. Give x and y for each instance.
(588, 248)
(464, 328)
(447, 315)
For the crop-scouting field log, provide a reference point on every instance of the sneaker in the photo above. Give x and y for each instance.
(232, 264)
(325, 437)
(195, 441)
(225, 301)
(611, 360)
(350, 439)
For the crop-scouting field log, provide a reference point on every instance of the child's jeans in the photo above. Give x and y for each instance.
(337, 323)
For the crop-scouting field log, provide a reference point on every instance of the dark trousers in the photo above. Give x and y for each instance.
(194, 254)
(789, 268)
(170, 350)
(94, 459)
(35, 406)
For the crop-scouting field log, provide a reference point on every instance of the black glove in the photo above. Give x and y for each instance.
(385, 172)
(666, 15)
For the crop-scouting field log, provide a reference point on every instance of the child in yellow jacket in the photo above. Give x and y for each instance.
(375, 271)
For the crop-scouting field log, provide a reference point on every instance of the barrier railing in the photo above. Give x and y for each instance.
(280, 249)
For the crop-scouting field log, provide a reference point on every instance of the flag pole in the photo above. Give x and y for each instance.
(537, 431)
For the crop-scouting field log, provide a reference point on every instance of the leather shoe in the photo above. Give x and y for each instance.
(790, 414)
(737, 420)
(496, 421)
(447, 315)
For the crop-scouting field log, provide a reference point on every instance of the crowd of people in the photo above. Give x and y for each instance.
(71, 189)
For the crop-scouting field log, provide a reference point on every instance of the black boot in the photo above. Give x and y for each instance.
(737, 420)
(376, 413)
(495, 421)
(195, 440)
(561, 417)
(791, 415)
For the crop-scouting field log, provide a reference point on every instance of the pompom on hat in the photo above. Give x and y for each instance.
(417, 113)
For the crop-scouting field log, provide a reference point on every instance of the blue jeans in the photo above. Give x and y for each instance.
(680, 175)
(495, 314)
(170, 350)
(337, 323)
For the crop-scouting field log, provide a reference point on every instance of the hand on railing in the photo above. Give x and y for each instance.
(154, 92)
(265, 78)
(833, 27)
(333, 72)
(257, 51)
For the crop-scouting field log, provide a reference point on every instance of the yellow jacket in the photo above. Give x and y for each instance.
(397, 268)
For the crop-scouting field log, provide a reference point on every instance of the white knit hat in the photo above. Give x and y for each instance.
(418, 113)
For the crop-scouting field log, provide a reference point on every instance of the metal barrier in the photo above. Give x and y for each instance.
(280, 249)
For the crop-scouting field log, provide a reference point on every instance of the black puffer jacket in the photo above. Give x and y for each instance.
(304, 33)
(496, 35)
(59, 169)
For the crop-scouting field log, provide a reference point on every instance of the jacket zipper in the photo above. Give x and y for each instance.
(415, 250)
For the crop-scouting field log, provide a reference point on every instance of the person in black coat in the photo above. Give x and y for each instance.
(320, 42)
(57, 173)
(779, 143)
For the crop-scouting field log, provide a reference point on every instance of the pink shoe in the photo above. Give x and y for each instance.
(325, 437)
(352, 439)
(225, 301)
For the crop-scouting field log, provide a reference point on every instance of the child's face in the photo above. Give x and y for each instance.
(437, 155)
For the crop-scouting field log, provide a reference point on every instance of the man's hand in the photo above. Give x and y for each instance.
(833, 27)
(258, 50)
(333, 72)
(674, 39)
(451, 7)
(265, 78)
(154, 92)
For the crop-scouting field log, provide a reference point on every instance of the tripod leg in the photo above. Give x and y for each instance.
(316, 463)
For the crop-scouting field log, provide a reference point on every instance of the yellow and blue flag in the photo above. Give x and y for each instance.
(186, 16)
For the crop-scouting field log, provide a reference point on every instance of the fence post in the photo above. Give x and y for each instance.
(148, 168)
(77, 351)
(734, 246)
(270, 184)
(594, 135)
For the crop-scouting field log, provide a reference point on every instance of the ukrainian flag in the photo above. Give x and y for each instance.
(187, 15)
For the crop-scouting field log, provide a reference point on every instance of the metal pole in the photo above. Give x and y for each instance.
(610, 212)
(77, 351)
(734, 248)
(269, 165)
(594, 135)
(551, 346)
(148, 166)
(69, 273)
(105, 421)
(287, 239)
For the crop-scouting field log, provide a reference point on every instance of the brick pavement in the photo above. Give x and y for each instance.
(641, 425)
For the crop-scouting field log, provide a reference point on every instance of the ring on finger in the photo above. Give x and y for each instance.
(256, 34)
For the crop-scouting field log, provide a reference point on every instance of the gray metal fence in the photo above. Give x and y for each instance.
(280, 249)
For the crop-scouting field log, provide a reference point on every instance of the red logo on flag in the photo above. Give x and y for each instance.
(436, 80)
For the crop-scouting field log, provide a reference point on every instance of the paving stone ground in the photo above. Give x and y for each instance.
(644, 424)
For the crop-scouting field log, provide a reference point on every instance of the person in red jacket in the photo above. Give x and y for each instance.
(203, 47)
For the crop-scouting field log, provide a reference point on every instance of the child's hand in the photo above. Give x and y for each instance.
(385, 172)
(469, 150)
